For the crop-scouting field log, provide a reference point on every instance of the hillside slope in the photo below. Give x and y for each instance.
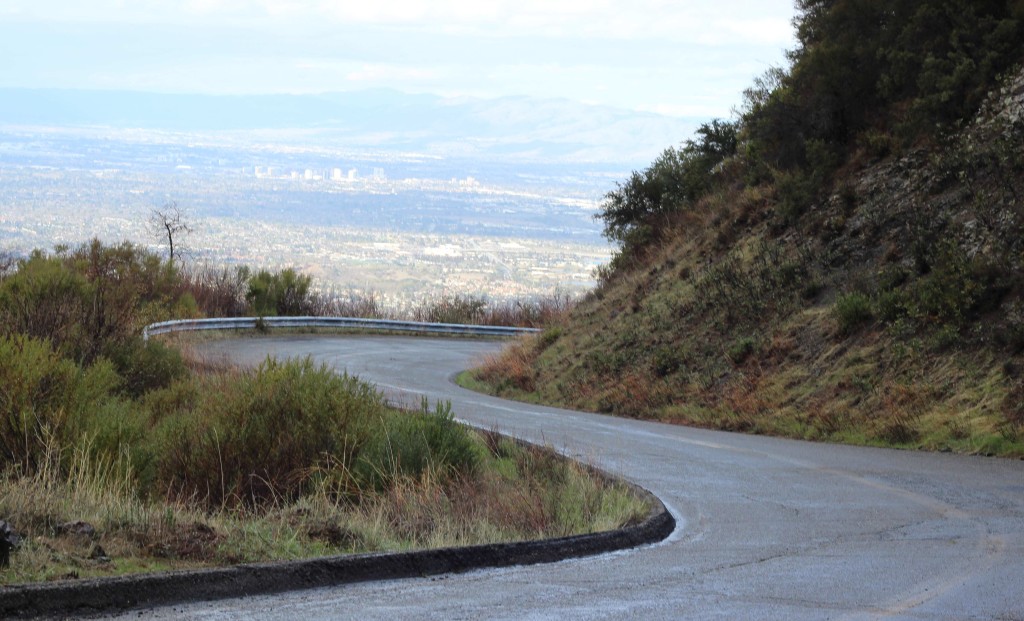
(853, 279)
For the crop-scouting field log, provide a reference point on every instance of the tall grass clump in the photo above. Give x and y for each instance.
(410, 444)
(512, 369)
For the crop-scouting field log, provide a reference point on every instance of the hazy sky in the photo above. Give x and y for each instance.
(686, 58)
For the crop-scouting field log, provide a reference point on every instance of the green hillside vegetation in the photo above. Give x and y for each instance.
(842, 262)
(118, 455)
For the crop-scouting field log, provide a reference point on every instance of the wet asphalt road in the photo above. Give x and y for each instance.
(768, 528)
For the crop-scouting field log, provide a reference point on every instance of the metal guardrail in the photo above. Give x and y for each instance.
(351, 323)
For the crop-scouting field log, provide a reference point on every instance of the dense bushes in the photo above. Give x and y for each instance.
(285, 461)
(473, 309)
(876, 76)
(86, 298)
(917, 66)
(467, 309)
(852, 310)
(637, 210)
(89, 298)
(46, 401)
(219, 292)
(270, 435)
(258, 437)
(863, 68)
(74, 372)
(77, 381)
(247, 438)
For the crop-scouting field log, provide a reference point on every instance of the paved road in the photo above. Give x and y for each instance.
(768, 528)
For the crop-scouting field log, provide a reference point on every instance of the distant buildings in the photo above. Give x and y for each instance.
(336, 174)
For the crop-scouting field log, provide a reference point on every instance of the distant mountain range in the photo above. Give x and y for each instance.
(517, 127)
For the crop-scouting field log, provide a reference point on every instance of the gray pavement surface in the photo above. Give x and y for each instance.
(767, 528)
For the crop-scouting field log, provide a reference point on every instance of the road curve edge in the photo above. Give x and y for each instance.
(106, 595)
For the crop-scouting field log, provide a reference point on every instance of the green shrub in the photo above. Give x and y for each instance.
(176, 399)
(45, 400)
(410, 443)
(891, 277)
(891, 305)
(852, 310)
(946, 295)
(258, 437)
(667, 360)
(87, 299)
(116, 433)
(145, 365)
(284, 293)
(635, 212)
(548, 337)
(741, 349)
(44, 300)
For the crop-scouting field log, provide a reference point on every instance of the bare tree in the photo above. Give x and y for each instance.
(169, 222)
(8, 263)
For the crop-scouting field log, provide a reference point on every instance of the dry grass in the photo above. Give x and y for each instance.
(520, 493)
(649, 344)
(512, 367)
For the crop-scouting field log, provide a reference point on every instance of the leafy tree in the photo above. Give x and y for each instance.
(634, 212)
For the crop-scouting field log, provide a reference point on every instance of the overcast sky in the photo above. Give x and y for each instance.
(679, 57)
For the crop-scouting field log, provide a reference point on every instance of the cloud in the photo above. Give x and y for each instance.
(718, 21)
(377, 73)
(766, 31)
(670, 56)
